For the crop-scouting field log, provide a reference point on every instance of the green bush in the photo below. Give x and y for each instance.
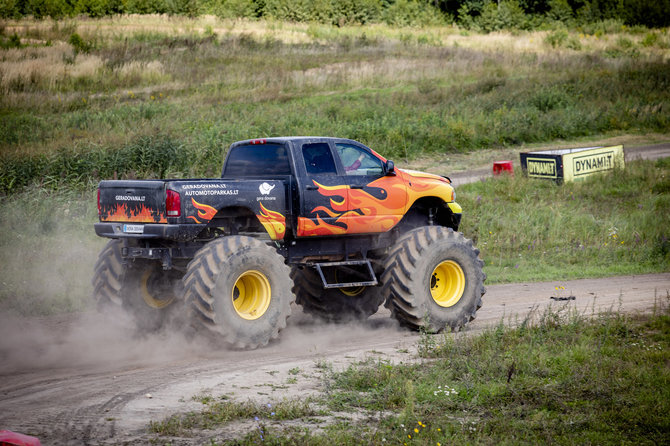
(560, 11)
(504, 15)
(44, 8)
(355, 11)
(299, 10)
(650, 39)
(14, 41)
(557, 38)
(146, 7)
(228, 9)
(79, 44)
(487, 15)
(9, 9)
(411, 13)
(189, 8)
(99, 8)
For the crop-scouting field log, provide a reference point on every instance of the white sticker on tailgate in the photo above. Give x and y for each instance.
(133, 229)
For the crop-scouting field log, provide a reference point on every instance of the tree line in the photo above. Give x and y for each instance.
(484, 15)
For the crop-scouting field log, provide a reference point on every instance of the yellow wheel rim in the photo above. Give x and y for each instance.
(150, 296)
(351, 291)
(447, 283)
(251, 295)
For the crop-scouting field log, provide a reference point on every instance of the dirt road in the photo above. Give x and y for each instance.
(82, 379)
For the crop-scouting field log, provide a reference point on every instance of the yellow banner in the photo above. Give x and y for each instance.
(581, 163)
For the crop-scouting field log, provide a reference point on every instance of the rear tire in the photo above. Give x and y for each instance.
(239, 289)
(434, 279)
(141, 288)
(334, 304)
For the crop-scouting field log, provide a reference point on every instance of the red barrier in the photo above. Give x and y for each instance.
(502, 167)
(9, 438)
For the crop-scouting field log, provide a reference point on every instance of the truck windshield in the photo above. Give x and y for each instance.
(257, 160)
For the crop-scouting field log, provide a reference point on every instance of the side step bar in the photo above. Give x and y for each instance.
(364, 271)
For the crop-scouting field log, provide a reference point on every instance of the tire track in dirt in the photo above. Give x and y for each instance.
(84, 402)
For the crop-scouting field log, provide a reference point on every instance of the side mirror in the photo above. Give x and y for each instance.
(390, 168)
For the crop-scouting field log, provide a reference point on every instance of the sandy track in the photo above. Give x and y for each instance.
(81, 379)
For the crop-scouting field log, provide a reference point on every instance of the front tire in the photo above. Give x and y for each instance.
(239, 288)
(434, 279)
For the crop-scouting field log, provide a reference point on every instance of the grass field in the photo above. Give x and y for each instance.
(89, 99)
(156, 96)
(560, 378)
(531, 230)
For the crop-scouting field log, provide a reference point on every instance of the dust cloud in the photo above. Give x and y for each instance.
(110, 340)
(47, 320)
(90, 339)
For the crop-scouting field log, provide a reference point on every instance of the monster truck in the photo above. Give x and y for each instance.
(325, 222)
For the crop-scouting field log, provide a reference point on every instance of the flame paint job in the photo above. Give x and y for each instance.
(377, 207)
(135, 213)
(205, 212)
(274, 223)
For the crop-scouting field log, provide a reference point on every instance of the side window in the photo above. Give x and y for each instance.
(357, 161)
(257, 160)
(318, 159)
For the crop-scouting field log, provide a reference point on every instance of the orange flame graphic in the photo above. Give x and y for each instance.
(205, 212)
(135, 214)
(361, 212)
(274, 223)
(427, 186)
(358, 211)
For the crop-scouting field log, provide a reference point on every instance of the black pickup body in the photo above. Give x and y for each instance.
(304, 195)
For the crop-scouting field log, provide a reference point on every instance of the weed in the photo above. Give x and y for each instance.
(557, 38)
(79, 45)
(218, 413)
(14, 41)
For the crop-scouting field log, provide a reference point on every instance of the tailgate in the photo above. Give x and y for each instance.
(141, 201)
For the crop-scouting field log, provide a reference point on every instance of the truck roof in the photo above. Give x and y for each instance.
(283, 139)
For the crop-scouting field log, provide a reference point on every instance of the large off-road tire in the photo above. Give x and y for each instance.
(141, 288)
(334, 304)
(434, 279)
(239, 288)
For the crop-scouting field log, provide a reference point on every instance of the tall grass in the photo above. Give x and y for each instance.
(605, 225)
(147, 157)
(49, 249)
(406, 92)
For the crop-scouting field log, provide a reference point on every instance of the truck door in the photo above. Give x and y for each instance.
(324, 193)
(376, 202)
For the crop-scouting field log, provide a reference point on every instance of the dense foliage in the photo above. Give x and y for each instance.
(486, 15)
